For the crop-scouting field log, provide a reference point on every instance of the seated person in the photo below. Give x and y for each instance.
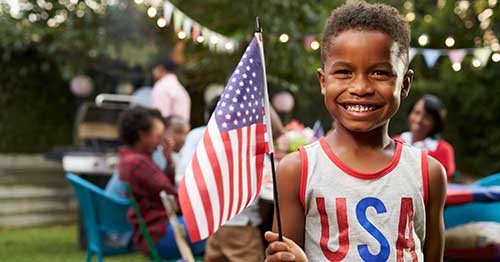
(142, 131)
(426, 121)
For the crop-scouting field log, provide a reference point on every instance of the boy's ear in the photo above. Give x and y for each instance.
(321, 78)
(407, 79)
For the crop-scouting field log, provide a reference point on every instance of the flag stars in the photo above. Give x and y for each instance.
(231, 108)
(254, 74)
(230, 87)
(242, 106)
(244, 120)
(228, 116)
(245, 97)
(237, 71)
(223, 104)
(247, 112)
(252, 96)
(233, 80)
(245, 76)
(248, 89)
(235, 122)
(250, 82)
(220, 112)
(226, 95)
(251, 60)
(238, 92)
(241, 83)
(238, 113)
(235, 99)
(224, 125)
(248, 68)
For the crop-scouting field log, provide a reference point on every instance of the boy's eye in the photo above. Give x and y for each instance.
(342, 73)
(381, 74)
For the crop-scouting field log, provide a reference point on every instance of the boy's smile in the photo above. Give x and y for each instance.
(362, 79)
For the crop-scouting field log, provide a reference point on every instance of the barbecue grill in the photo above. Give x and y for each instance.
(94, 155)
(96, 137)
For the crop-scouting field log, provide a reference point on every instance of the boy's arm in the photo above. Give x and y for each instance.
(434, 241)
(292, 213)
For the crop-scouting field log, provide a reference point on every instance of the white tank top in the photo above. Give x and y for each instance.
(350, 216)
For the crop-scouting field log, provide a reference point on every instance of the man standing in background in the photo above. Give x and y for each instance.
(168, 94)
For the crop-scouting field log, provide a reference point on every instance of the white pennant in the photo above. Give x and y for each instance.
(168, 9)
(483, 55)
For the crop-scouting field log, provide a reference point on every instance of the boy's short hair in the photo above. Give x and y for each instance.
(134, 120)
(365, 16)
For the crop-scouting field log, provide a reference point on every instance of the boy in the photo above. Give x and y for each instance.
(356, 194)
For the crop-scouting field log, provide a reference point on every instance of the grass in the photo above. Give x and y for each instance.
(44, 244)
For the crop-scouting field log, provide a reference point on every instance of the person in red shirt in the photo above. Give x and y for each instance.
(426, 120)
(142, 130)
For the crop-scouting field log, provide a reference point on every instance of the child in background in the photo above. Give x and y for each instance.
(357, 194)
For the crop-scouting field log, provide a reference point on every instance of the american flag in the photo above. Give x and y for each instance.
(225, 173)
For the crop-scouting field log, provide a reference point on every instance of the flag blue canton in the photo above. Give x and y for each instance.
(242, 102)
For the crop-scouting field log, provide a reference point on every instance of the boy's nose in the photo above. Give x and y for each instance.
(360, 87)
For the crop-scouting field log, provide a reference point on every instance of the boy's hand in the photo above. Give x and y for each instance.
(285, 250)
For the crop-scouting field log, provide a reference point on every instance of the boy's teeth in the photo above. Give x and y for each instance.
(359, 108)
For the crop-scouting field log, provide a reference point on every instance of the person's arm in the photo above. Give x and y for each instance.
(434, 241)
(150, 177)
(292, 213)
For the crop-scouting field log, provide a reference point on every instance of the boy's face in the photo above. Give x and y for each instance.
(363, 79)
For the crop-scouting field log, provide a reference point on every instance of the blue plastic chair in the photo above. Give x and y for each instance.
(103, 216)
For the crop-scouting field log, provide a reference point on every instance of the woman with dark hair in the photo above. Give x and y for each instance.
(142, 130)
(426, 120)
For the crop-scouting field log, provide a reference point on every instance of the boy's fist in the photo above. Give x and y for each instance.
(285, 250)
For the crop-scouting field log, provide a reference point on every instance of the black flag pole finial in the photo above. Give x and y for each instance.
(258, 29)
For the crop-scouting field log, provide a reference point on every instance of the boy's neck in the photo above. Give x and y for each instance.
(375, 139)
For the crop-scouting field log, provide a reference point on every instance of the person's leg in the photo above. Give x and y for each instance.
(166, 246)
(241, 243)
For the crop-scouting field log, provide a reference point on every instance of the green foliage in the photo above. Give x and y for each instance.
(121, 43)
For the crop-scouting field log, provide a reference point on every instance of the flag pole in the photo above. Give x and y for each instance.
(258, 32)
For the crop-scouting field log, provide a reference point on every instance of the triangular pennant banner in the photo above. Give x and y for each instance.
(186, 26)
(168, 9)
(196, 31)
(483, 55)
(431, 56)
(411, 54)
(178, 18)
(457, 55)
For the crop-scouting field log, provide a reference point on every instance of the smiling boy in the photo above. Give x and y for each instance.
(357, 194)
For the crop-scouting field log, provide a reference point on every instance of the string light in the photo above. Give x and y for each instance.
(139, 1)
(450, 41)
(428, 18)
(314, 45)
(214, 40)
(410, 16)
(152, 12)
(181, 35)
(229, 46)
(476, 63)
(161, 22)
(456, 67)
(495, 57)
(423, 40)
(200, 39)
(284, 38)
